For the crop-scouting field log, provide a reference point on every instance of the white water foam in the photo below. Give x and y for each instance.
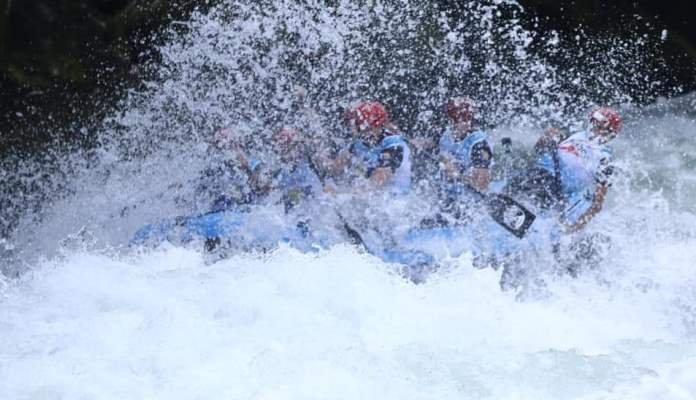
(166, 324)
(338, 325)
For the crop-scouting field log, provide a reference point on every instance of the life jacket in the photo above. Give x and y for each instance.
(370, 158)
(298, 183)
(226, 184)
(461, 151)
(577, 164)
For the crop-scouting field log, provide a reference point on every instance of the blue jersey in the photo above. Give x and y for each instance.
(391, 152)
(473, 151)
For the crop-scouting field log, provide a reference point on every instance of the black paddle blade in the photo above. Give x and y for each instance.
(355, 238)
(511, 215)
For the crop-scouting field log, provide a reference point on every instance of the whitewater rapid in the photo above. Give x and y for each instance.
(339, 324)
(84, 316)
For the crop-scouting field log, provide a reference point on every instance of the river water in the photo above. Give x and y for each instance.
(89, 317)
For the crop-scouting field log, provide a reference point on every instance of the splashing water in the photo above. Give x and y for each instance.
(97, 319)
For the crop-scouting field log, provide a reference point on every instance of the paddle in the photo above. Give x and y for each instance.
(354, 236)
(508, 213)
(504, 210)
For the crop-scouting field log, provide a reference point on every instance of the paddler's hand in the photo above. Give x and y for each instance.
(380, 176)
(570, 228)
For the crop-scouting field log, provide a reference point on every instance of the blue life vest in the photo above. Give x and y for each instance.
(298, 184)
(226, 183)
(461, 151)
(369, 159)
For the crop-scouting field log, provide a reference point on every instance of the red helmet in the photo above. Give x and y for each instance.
(460, 109)
(606, 119)
(367, 114)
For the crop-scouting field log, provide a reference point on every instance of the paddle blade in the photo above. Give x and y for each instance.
(511, 215)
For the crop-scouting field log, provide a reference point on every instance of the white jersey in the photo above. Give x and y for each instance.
(580, 164)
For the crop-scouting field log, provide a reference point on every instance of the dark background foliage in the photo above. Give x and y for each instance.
(64, 63)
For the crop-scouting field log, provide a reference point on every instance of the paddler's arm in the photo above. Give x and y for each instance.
(595, 208)
(549, 140)
(479, 179)
(380, 176)
(260, 184)
(600, 194)
(336, 166)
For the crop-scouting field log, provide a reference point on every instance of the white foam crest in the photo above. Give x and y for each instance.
(337, 324)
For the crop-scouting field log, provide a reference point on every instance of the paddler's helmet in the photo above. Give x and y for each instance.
(367, 115)
(460, 109)
(606, 122)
